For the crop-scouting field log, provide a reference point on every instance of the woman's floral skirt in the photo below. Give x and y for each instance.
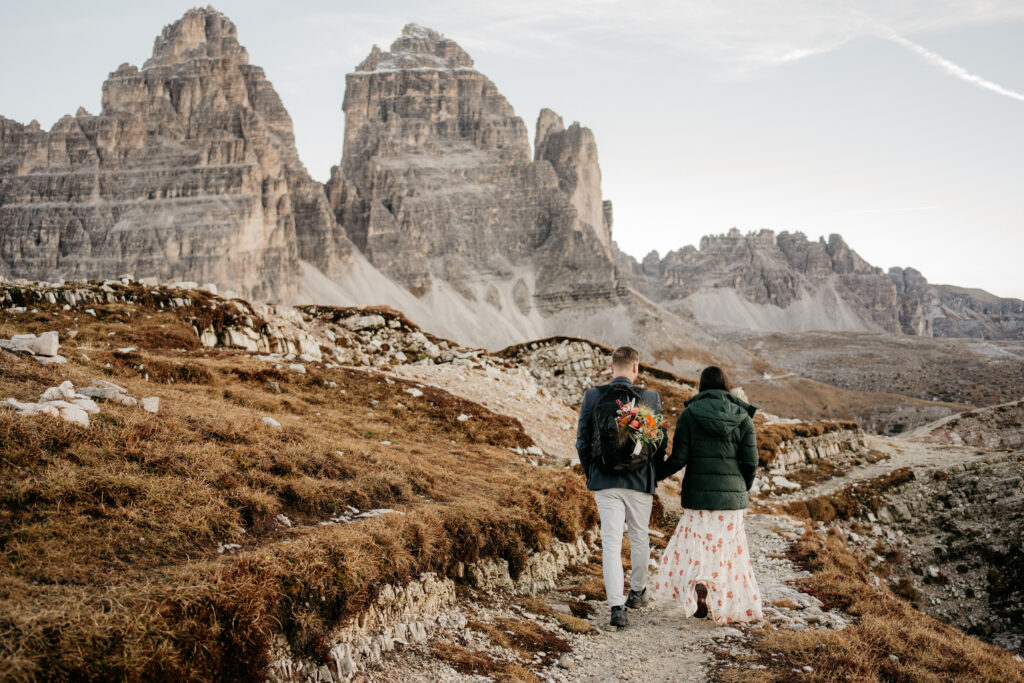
(710, 547)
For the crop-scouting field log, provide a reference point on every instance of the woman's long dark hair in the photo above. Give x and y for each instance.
(714, 377)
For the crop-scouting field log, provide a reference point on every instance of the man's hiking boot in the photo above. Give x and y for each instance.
(636, 599)
(619, 616)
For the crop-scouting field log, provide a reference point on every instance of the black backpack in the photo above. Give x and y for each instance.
(612, 452)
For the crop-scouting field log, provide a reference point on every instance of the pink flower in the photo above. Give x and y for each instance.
(634, 424)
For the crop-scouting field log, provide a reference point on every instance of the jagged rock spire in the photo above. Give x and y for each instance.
(201, 32)
(418, 47)
(573, 154)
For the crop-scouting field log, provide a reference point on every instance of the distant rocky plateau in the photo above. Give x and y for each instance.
(438, 208)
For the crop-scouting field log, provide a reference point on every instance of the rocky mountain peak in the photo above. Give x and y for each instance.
(548, 122)
(188, 172)
(200, 33)
(418, 47)
(845, 259)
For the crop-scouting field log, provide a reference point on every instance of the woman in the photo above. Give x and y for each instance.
(706, 566)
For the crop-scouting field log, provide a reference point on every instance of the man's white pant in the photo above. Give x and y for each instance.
(634, 508)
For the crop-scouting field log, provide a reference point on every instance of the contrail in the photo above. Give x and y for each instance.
(896, 210)
(954, 69)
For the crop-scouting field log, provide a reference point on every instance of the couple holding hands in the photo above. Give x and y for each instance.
(705, 568)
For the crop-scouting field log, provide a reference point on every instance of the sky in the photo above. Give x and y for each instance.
(895, 123)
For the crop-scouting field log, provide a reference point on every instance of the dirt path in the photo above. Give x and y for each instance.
(662, 646)
(900, 453)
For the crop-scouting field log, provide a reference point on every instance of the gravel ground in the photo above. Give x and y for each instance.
(548, 421)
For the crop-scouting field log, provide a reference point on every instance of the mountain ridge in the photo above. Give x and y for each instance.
(439, 207)
(765, 281)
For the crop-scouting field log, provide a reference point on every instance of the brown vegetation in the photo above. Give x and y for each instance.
(480, 663)
(815, 473)
(525, 638)
(890, 642)
(110, 534)
(877, 411)
(574, 624)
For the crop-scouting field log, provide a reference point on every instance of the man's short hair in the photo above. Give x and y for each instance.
(625, 356)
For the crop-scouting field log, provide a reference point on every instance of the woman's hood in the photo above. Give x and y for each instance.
(719, 412)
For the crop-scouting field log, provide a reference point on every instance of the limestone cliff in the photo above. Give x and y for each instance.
(437, 186)
(188, 172)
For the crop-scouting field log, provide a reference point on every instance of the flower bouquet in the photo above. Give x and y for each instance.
(640, 424)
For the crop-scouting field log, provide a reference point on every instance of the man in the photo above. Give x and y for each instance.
(621, 498)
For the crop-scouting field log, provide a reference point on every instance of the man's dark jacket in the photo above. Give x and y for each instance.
(644, 480)
(714, 440)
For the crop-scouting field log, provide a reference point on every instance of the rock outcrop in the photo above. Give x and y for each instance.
(189, 171)
(1000, 426)
(572, 153)
(438, 189)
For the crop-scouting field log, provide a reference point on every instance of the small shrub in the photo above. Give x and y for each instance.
(574, 624)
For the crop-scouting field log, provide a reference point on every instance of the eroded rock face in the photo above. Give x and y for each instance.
(189, 171)
(437, 184)
(975, 313)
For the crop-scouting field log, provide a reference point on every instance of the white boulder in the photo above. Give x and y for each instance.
(86, 404)
(64, 392)
(69, 412)
(364, 322)
(46, 344)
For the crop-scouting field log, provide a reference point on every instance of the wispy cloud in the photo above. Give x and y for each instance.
(954, 69)
(899, 209)
(742, 36)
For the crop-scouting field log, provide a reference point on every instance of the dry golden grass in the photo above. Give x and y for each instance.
(819, 471)
(109, 535)
(525, 638)
(592, 588)
(536, 605)
(480, 663)
(574, 624)
(530, 637)
(890, 642)
(810, 400)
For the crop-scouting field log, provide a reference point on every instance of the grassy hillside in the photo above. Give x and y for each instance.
(110, 534)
